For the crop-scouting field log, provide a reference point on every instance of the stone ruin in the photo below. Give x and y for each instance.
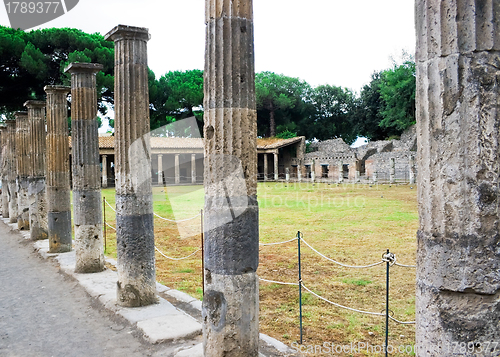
(378, 161)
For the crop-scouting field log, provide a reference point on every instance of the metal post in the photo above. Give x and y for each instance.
(387, 303)
(104, 225)
(202, 255)
(300, 286)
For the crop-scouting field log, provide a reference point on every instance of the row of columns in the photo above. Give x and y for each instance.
(266, 167)
(458, 259)
(176, 169)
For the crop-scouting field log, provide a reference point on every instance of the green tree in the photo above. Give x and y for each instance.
(335, 109)
(31, 60)
(397, 90)
(282, 102)
(368, 113)
(176, 95)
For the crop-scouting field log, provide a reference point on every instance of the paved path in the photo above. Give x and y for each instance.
(44, 313)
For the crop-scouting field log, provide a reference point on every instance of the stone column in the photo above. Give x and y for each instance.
(458, 256)
(104, 171)
(177, 173)
(357, 176)
(231, 303)
(5, 182)
(37, 190)
(23, 170)
(341, 172)
(276, 167)
(193, 168)
(87, 202)
(313, 172)
(299, 172)
(287, 174)
(266, 167)
(374, 176)
(58, 188)
(392, 172)
(160, 169)
(11, 168)
(134, 195)
(412, 169)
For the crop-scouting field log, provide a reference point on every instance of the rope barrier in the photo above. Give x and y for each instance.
(269, 244)
(278, 282)
(110, 226)
(177, 259)
(178, 221)
(105, 200)
(341, 264)
(401, 322)
(342, 306)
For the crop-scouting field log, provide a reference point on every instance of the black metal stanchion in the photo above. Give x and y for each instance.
(300, 286)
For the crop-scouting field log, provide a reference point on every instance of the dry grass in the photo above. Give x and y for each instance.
(354, 224)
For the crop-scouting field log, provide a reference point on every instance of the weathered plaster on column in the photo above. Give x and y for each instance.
(23, 155)
(58, 181)
(87, 202)
(230, 304)
(37, 182)
(458, 121)
(134, 197)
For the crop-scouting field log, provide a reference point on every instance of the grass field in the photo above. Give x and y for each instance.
(354, 224)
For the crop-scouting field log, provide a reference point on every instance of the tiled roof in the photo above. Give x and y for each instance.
(108, 142)
(275, 143)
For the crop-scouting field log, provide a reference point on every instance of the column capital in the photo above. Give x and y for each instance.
(34, 104)
(125, 32)
(104, 155)
(77, 68)
(20, 115)
(57, 89)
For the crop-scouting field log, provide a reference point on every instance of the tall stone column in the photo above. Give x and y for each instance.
(4, 165)
(177, 171)
(299, 172)
(458, 116)
(58, 187)
(313, 171)
(231, 302)
(37, 190)
(104, 171)
(23, 170)
(392, 170)
(87, 204)
(266, 167)
(193, 168)
(134, 195)
(287, 174)
(276, 167)
(160, 169)
(11, 168)
(412, 169)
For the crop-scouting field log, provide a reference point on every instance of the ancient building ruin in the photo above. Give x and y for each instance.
(334, 160)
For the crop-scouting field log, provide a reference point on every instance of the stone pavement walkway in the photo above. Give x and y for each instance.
(48, 310)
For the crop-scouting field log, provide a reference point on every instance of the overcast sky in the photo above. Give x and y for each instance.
(337, 42)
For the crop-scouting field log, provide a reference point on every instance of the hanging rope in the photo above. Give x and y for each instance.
(269, 244)
(339, 263)
(278, 282)
(177, 259)
(179, 221)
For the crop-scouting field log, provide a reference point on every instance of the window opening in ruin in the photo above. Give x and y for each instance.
(324, 171)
